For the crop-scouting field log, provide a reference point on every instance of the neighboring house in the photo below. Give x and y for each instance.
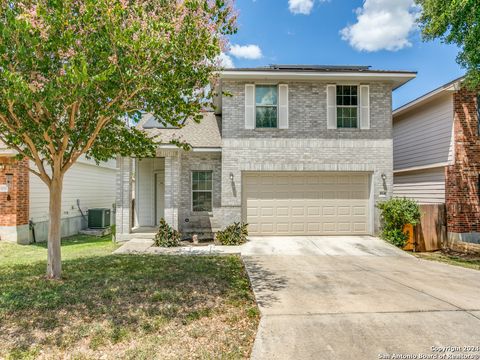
(292, 150)
(436, 148)
(24, 197)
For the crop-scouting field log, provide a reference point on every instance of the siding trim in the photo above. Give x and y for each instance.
(424, 167)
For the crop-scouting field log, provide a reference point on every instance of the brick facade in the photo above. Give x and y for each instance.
(462, 194)
(14, 204)
(307, 145)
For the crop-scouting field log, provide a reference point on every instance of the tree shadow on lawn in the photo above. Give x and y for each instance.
(129, 293)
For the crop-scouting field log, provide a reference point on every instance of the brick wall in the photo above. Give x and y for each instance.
(14, 205)
(462, 192)
(307, 107)
(307, 145)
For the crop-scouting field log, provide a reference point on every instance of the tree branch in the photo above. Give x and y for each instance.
(28, 141)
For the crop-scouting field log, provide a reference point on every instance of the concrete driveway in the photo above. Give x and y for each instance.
(358, 298)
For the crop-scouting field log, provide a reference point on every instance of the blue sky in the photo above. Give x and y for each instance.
(380, 33)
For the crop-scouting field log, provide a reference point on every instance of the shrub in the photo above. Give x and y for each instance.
(235, 234)
(166, 235)
(396, 213)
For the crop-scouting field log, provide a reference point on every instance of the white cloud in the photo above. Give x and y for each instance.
(251, 52)
(225, 61)
(303, 7)
(382, 25)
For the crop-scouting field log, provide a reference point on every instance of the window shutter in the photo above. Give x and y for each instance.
(331, 106)
(283, 106)
(364, 107)
(249, 106)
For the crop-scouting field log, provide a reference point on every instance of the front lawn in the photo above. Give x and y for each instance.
(123, 306)
(452, 258)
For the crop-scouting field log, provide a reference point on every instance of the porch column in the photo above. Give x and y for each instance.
(123, 215)
(172, 188)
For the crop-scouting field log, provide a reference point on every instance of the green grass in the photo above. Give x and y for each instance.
(72, 248)
(452, 258)
(123, 306)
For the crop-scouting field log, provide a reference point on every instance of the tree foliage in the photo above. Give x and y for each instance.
(455, 22)
(75, 74)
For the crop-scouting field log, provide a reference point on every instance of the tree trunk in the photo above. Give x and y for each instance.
(54, 260)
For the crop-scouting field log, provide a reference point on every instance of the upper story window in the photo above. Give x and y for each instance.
(266, 106)
(202, 189)
(347, 106)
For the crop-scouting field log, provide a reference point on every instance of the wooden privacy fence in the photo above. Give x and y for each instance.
(431, 233)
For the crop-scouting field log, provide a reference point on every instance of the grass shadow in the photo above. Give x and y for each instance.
(265, 283)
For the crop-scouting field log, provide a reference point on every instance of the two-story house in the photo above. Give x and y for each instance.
(437, 157)
(291, 150)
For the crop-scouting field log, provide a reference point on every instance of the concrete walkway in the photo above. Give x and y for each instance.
(145, 246)
(357, 298)
(350, 298)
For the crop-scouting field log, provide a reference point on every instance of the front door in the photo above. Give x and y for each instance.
(159, 196)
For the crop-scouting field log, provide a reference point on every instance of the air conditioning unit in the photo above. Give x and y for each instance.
(98, 218)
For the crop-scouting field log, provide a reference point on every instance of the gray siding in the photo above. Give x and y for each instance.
(425, 186)
(424, 136)
(307, 109)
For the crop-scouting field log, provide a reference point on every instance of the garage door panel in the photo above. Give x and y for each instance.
(344, 211)
(283, 212)
(329, 195)
(360, 228)
(298, 211)
(329, 227)
(359, 210)
(361, 195)
(306, 203)
(344, 227)
(266, 228)
(298, 227)
(328, 210)
(329, 179)
(282, 180)
(359, 179)
(267, 212)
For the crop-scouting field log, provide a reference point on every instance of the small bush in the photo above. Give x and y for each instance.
(396, 213)
(235, 234)
(395, 236)
(166, 235)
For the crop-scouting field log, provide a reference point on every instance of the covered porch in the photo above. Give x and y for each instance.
(147, 191)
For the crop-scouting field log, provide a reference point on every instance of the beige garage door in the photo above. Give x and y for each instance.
(306, 203)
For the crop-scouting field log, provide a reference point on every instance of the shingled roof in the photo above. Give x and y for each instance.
(206, 134)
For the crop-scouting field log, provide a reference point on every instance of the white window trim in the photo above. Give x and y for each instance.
(194, 191)
(255, 101)
(348, 106)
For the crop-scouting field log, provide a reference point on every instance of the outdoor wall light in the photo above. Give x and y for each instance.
(2, 167)
(384, 177)
(231, 176)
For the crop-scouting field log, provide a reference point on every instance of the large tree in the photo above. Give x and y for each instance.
(74, 74)
(455, 22)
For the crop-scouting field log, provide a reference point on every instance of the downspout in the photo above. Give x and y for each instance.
(81, 212)
(31, 226)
